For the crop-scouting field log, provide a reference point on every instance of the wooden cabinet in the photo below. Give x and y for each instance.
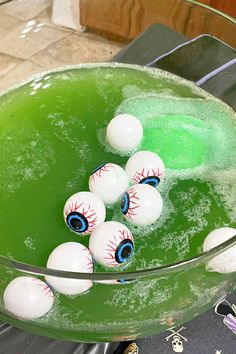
(226, 6)
(125, 19)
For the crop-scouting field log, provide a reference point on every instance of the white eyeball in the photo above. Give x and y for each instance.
(142, 204)
(145, 167)
(28, 297)
(109, 182)
(226, 261)
(73, 257)
(83, 211)
(124, 132)
(111, 244)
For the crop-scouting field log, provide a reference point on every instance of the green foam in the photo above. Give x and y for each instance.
(185, 132)
(179, 146)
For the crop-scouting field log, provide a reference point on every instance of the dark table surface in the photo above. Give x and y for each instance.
(206, 334)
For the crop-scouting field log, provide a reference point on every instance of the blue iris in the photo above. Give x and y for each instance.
(151, 180)
(98, 168)
(125, 203)
(124, 251)
(123, 281)
(77, 222)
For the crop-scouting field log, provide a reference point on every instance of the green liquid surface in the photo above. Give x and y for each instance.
(52, 136)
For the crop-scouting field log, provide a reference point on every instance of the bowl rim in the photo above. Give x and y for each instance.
(199, 259)
(216, 11)
(125, 277)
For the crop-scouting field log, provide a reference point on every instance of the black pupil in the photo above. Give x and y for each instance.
(125, 280)
(151, 180)
(124, 250)
(77, 222)
(125, 203)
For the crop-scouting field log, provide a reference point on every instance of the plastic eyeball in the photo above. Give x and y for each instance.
(116, 282)
(124, 132)
(111, 244)
(226, 261)
(109, 182)
(28, 297)
(145, 167)
(83, 211)
(142, 204)
(73, 257)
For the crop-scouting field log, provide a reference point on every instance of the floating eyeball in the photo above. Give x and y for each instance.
(116, 282)
(124, 133)
(83, 211)
(73, 257)
(142, 204)
(28, 297)
(111, 244)
(145, 167)
(226, 261)
(109, 182)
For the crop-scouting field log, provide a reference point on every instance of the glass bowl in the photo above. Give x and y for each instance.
(125, 304)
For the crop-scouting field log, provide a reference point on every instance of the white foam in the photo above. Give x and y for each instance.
(30, 243)
(204, 294)
(74, 184)
(31, 155)
(135, 299)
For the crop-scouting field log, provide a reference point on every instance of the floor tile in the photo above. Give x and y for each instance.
(7, 64)
(7, 23)
(29, 38)
(19, 73)
(76, 48)
(25, 9)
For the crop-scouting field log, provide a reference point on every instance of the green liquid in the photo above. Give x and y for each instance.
(52, 137)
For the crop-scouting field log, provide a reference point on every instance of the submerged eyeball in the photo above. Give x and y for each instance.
(83, 211)
(117, 282)
(73, 257)
(28, 297)
(109, 181)
(142, 204)
(111, 244)
(226, 261)
(145, 167)
(124, 132)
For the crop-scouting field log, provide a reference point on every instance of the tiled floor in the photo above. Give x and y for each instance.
(30, 43)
